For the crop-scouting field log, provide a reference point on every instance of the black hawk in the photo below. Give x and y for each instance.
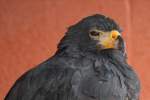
(90, 64)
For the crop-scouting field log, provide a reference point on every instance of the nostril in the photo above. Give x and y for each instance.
(114, 34)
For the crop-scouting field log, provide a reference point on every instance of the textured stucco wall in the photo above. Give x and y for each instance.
(31, 29)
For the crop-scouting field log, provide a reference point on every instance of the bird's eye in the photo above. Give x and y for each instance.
(94, 33)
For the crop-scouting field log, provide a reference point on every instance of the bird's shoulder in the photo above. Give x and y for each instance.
(48, 70)
(45, 77)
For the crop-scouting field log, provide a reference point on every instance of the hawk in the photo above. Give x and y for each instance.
(90, 64)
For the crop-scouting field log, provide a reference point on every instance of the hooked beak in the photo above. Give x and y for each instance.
(109, 40)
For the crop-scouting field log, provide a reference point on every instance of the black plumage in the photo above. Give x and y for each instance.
(80, 71)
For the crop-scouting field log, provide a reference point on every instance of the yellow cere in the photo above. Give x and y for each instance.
(109, 42)
(114, 34)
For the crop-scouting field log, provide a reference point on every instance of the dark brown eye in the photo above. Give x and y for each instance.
(94, 33)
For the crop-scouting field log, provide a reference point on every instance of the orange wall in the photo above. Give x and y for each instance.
(31, 29)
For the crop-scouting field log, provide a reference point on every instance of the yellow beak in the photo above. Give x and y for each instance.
(114, 34)
(110, 40)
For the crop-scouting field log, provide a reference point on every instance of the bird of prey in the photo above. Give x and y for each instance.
(90, 64)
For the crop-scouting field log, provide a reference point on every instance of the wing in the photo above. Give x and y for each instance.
(43, 82)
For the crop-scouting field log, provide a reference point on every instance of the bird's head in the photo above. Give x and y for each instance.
(94, 33)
